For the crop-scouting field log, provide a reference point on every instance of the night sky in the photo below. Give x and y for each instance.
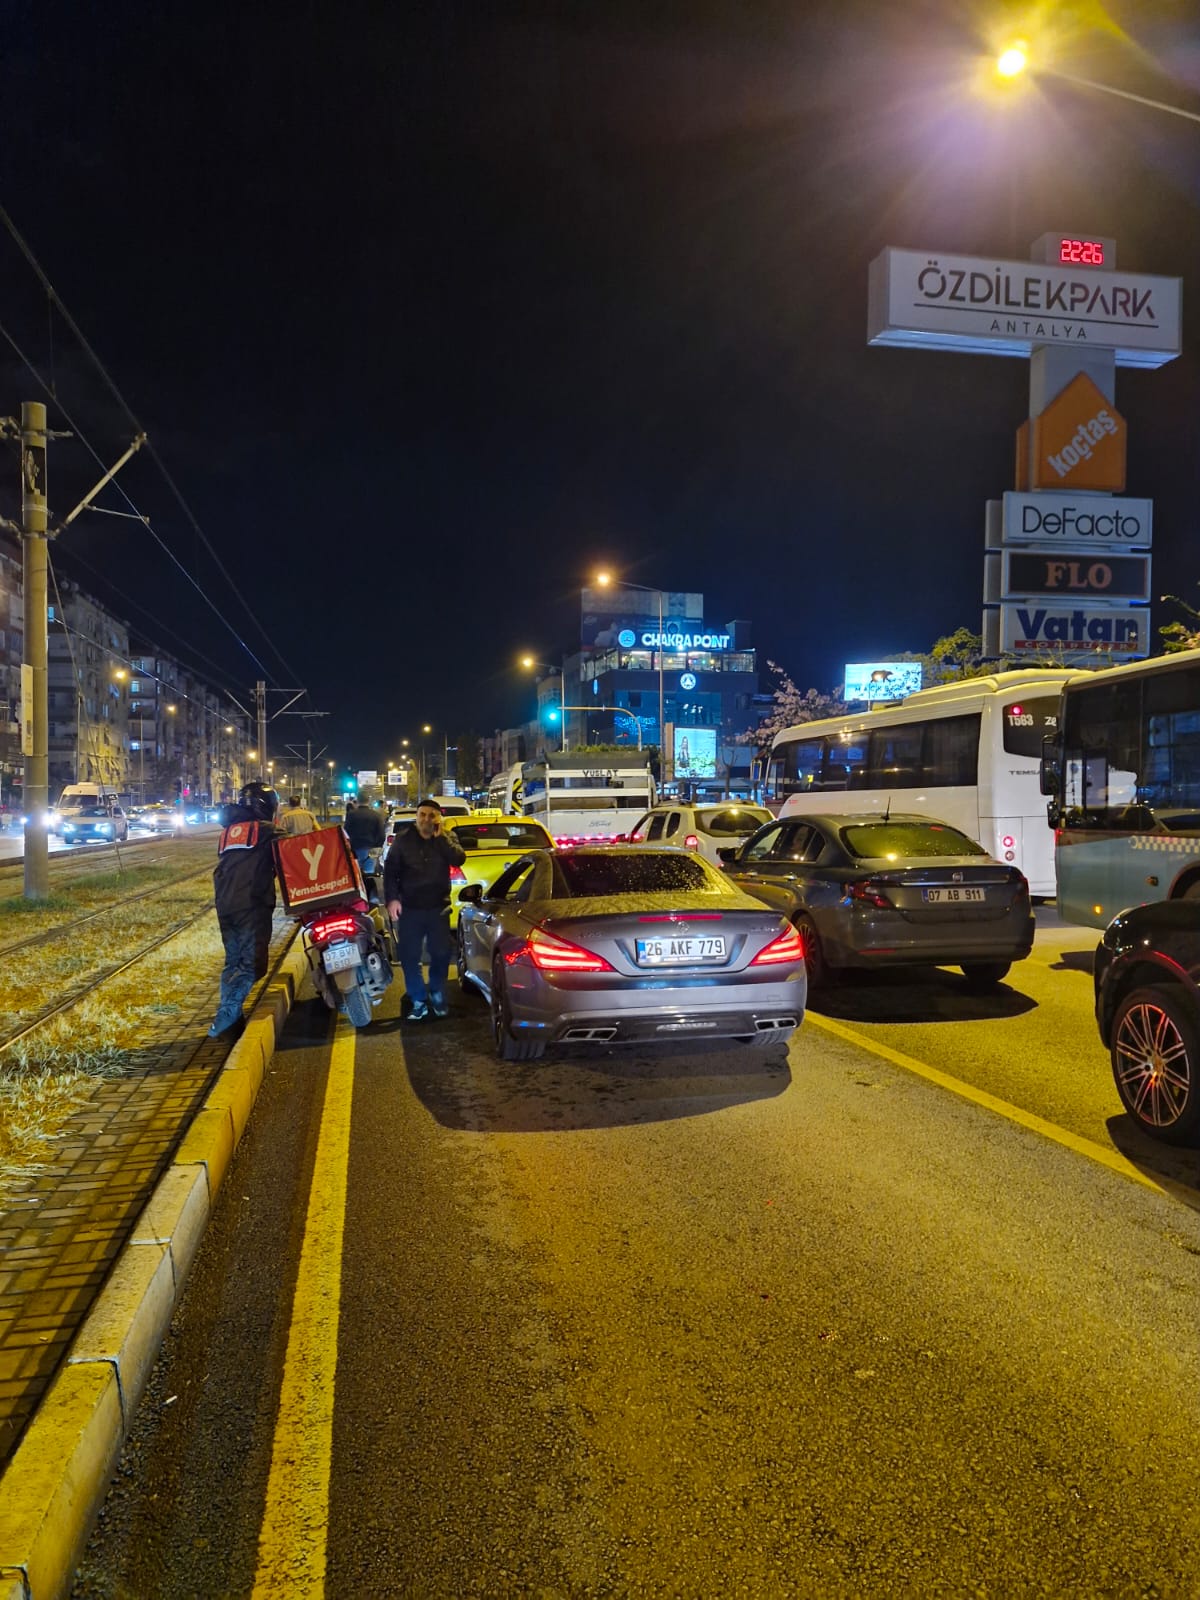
(429, 309)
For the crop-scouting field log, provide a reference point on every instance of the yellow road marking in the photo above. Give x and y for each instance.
(291, 1544)
(1111, 1159)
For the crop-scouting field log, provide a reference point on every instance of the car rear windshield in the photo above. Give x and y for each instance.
(734, 821)
(579, 875)
(501, 836)
(903, 841)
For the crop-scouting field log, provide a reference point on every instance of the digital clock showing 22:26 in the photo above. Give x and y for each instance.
(1082, 252)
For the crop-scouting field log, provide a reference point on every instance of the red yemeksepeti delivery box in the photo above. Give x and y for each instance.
(317, 870)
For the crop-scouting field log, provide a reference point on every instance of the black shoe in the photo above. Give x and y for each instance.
(419, 1012)
(230, 1034)
(439, 1005)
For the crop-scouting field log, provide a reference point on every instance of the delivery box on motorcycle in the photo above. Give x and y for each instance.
(317, 870)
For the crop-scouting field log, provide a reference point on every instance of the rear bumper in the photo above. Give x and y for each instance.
(901, 944)
(638, 1015)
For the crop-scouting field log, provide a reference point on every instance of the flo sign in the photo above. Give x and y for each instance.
(1008, 308)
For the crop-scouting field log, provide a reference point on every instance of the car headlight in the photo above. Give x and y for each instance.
(68, 827)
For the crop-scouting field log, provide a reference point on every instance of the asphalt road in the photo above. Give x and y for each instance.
(691, 1324)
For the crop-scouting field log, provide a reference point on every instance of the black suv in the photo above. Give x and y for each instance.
(1147, 973)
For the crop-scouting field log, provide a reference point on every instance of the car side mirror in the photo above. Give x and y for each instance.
(728, 852)
(470, 894)
(1050, 774)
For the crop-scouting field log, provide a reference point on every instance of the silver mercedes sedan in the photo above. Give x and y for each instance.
(628, 944)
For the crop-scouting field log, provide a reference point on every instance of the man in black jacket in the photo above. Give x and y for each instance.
(416, 887)
(365, 831)
(244, 888)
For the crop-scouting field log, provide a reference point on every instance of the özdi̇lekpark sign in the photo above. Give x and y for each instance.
(975, 304)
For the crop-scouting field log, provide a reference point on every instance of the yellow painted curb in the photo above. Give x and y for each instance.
(176, 1215)
(56, 1480)
(55, 1483)
(129, 1320)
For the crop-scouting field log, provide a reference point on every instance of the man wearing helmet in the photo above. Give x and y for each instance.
(244, 888)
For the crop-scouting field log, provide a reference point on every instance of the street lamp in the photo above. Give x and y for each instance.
(1014, 60)
(529, 663)
(604, 579)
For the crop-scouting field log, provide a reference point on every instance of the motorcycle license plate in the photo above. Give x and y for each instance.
(339, 957)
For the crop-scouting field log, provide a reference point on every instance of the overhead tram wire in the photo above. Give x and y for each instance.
(53, 295)
(140, 517)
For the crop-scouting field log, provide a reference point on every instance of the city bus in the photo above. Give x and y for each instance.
(1123, 776)
(587, 798)
(968, 753)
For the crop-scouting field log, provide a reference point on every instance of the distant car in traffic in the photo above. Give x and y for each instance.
(705, 828)
(897, 891)
(85, 824)
(156, 818)
(626, 944)
(491, 844)
(404, 817)
(1147, 978)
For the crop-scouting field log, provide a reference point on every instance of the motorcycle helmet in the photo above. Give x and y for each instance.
(261, 801)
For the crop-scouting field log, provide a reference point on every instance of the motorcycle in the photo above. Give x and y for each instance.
(350, 955)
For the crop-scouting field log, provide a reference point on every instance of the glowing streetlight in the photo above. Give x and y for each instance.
(1013, 59)
(530, 663)
(604, 578)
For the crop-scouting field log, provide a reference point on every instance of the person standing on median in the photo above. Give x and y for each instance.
(416, 888)
(244, 889)
(365, 831)
(295, 818)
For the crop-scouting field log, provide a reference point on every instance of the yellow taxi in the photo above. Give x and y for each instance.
(492, 842)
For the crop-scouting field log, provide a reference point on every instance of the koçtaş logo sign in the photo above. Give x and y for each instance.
(1034, 518)
(1078, 441)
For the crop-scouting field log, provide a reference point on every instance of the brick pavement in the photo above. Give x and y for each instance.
(66, 1225)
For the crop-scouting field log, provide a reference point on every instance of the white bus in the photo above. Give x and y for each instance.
(587, 798)
(968, 753)
(504, 792)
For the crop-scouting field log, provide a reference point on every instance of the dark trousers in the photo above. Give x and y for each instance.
(413, 928)
(247, 941)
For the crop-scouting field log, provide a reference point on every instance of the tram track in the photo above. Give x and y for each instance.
(71, 926)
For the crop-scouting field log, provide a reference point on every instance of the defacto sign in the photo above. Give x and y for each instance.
(1099, 575)
(1006, 308)
(1077, 442)
(1075, 630)
(1078, 520)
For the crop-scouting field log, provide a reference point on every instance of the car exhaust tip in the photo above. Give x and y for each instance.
(774, 1024)
(588, 1035)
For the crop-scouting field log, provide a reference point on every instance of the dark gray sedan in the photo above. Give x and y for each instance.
(901, 891)
(626, 944)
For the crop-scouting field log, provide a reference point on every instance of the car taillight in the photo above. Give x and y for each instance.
(327, 928)
(691, 842)
(636, 838)
(786, 946)
(457, 875)
(549, 953)
(870, 893)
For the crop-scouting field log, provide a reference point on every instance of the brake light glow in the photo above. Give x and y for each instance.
(869, 893)
(549, 953)
(340, 927)
(635, 837)
(685, 916)
(691, 842)
(457, 875)
(786, 946)
(1008, 841)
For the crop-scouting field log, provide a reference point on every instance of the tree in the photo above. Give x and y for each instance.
(1181, 635)
(791, 706)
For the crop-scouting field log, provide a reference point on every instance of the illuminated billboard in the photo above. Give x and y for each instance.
(695, 752)
(881, 680)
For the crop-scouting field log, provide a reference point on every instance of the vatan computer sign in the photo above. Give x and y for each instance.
(881, 680)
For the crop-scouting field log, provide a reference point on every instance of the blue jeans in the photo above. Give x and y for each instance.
(247, 941)
(412, 929)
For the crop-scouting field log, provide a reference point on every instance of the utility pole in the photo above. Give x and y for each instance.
(35, 710)
(260, 702)
(35, 715)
